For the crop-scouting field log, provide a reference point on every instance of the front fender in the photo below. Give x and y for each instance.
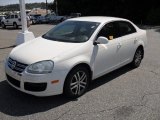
(71, 63)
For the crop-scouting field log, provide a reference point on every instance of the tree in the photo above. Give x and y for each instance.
(135, 10)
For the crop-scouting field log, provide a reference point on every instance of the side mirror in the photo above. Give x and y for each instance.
(101, 40)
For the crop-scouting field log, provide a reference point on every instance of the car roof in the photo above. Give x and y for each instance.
(13, 13)
(100, 19)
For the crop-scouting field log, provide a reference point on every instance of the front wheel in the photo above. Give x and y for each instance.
(137, 58)
(77, 82)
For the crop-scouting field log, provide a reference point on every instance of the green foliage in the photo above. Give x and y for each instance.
(139, 11)
(15, 7)
(135, 10)
(154, 16)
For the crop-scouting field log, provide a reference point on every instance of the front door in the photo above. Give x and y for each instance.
(106, 54)
(7, 20)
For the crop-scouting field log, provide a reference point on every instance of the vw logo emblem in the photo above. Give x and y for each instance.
(13, 64)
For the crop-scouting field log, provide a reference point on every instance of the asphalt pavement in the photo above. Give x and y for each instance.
(125, 94)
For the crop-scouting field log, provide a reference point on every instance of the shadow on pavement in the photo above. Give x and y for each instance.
(12, 46)
(157, 30)
(148, 27)
(109, 77)
(11, 28)
(16, 103)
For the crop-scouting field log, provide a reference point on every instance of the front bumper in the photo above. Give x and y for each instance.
(35, 84)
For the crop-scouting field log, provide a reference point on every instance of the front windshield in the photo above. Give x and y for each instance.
(72, 31)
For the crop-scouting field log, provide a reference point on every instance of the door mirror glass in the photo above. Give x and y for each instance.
(101, 40)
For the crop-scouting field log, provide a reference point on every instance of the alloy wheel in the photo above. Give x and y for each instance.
(78, 83)
(138, 57)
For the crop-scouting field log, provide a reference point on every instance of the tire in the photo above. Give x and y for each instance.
(61, 20)
(77, 82)
(34, 22)
(15, 25)
(3, 25)
(137, 58)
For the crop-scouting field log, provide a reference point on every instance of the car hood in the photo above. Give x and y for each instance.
(41, 49)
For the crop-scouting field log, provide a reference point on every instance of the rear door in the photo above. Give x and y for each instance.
(126, 43)
(10, 21)
(16, 20)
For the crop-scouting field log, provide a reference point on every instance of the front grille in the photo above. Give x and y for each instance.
(13, 81)
(35, 87)
(16, 66)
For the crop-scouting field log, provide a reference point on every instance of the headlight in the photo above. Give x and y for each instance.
(42, 67)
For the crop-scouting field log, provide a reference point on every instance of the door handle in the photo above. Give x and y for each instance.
(119, 45)
(135, 40)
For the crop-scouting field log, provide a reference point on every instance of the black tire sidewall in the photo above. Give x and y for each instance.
(133, 62)
(67, 91)
(15, 25)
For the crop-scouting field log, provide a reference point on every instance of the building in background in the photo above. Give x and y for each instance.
(38, 11)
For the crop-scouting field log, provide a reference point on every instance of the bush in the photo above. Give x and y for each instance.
(153, 17)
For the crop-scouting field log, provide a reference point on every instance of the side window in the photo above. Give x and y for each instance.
(109, 31)
(12, 16)
(126, 28)
(8, 17)
(16, 16)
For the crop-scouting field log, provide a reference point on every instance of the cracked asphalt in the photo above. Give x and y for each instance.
(125, 94)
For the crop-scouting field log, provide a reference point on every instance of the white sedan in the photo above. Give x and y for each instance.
(69, 56)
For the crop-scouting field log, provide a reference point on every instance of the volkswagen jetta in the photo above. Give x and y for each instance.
(69, 56)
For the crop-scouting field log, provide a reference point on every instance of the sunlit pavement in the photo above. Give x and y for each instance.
(125, 94)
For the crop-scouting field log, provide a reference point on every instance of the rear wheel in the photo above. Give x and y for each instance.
(77, 82)
(15, 25)
(3, 25)
(137, 57)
